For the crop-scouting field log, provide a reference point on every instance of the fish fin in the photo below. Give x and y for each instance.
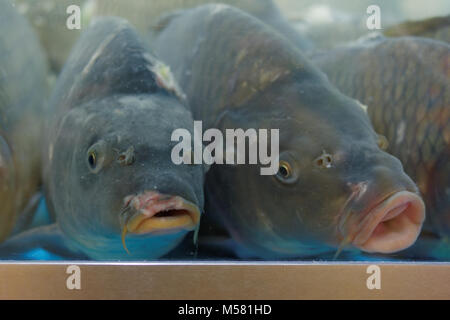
(25, 219)
(418, 28)
(165, 19)
(41, 243)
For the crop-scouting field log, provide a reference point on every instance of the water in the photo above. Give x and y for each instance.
(316, 27)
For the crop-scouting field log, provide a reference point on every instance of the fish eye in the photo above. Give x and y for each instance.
(382, 142)
(96, 156)
(93, 160)
(286, 171)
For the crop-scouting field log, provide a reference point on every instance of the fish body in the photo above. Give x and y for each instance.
(23, 93)
(110, 182)
(405, 84)
(334, 186)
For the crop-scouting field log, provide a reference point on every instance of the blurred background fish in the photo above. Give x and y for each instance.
(23, 94)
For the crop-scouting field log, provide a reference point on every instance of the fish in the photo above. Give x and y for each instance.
(334, 187)
(405, 83)
(109, 178)
(437, 28)
(23, 94)
(49, 19)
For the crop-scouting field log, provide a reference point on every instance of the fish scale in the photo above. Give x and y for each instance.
(410, 91)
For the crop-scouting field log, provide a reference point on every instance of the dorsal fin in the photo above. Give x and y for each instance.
(111, 58)
(165, 19)
(418, 28)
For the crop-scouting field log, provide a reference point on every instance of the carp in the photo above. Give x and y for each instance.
(109, 179)
(335, 187)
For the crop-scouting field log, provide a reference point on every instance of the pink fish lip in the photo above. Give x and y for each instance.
(391, 225)
(153, 212)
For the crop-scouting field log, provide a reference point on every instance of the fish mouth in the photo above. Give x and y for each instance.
(151, 212)
(392, 225)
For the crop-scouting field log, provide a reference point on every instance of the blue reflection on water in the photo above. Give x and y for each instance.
(41, 216)
(430, 250)
(41, 254)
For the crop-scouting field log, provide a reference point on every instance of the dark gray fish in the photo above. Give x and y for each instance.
(23, 90)
(109, 178)
(335, 187)
(405, 83)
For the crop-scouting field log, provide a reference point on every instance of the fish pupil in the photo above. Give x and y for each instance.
(284, 171)
(92, 160)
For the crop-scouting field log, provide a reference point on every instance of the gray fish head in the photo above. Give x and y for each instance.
(117, 193)
(334, 186)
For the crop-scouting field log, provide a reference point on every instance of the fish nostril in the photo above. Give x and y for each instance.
(324, 161)
(126, 158)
